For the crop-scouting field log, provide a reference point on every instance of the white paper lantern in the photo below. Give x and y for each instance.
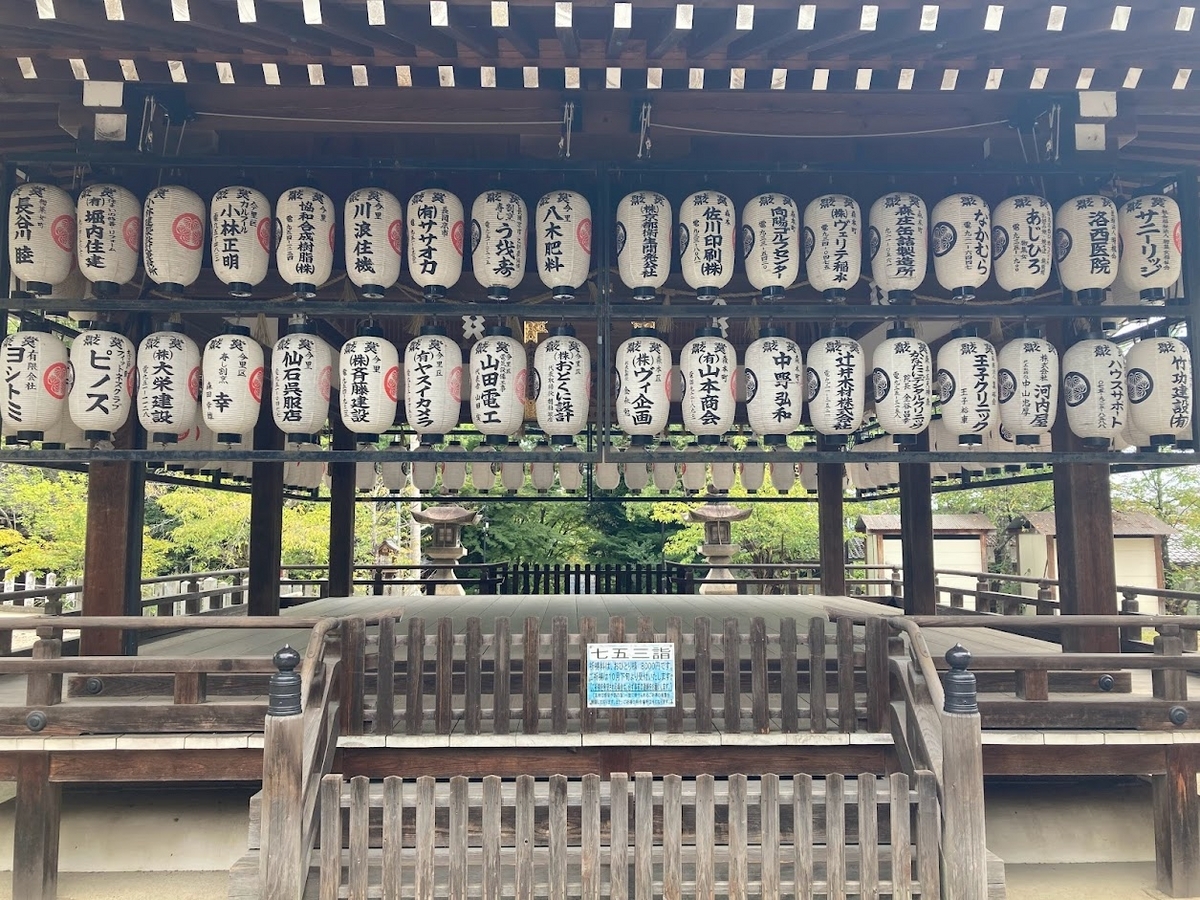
(233, 383)
(570, 476)
(644, 242)
(173, 237)
(1027, 388)
(664, 473)
(109, 224)
(966, 384)
(723, 474)
(771, 243)
(301, 381)
(836, 386)
(498, 385)
(636, 476)
(1158, 373)
(102, 382)
(898, 243)
(37, 379)
(1085, 245)
(1133, 438)
(708, 363)
(774, 378)
(435, 242)
(833, 244)
(424, 476)
(432, 384)
(706, 237)
(484, 474)
(1094, 392)
(1151, 245)
(241, 224)
(783, 476)
(752, 475)
(370, 379)
(1022, 229)
(168, 388)
(374, 226)
(365, 474)
(512, 476)
(694, 475)
(643, 385)
(41, 236)
(541, 474)
(808, 477)
(902, 385)
(562, 366)
(454, 476)
(606, 476)
(394, 472)
(961, 240)
(305, 225)
(499, 225)
(564, 242)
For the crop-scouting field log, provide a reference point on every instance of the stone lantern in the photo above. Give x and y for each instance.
(718, 547)
(447, 548)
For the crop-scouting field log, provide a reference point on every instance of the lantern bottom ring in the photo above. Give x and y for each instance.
(105, 289)
(1162, 440)
(904, 440)
(562, 440)
(708, 440)
(970, 440)
(773, 440)
(372, 291)
(240, 289)
(164, 437)
(430, 440)
(39, 288)
(1097, 443)
(303, 438)
(97, 435)
(53, 445)
(170, 288)
(1147, 295)
(641, 440)
(304, 291)
(366, 440)
(1027, 440)
(497, 440)
(963, 293)
(222, 437)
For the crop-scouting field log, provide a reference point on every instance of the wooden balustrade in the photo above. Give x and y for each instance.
(620, 838)
(475, 682)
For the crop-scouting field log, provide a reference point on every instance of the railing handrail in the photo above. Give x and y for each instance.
(1067, 621)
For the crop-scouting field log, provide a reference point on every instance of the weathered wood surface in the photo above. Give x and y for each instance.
(736, 837)
(477, 682)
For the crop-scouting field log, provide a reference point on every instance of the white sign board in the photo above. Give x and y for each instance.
(636, 676)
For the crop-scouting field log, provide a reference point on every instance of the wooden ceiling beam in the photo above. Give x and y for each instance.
(678, 30)
(717, 36)
(564, 28)
(773, 29)
(288, 26)
(622, 27)
(507, 25)
(449, 21)
(206, 20)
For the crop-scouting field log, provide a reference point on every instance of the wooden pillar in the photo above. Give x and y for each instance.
(1086, 564)
(916, 535)
(266, 520)
(36, 829)
(1177, 822)
(830, 527)
(341, 511)
(112, 567)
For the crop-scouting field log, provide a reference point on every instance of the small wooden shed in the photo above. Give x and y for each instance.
(1138, 540)
(960, 542)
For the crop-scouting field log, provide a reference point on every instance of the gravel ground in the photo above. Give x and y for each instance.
(1102, 881)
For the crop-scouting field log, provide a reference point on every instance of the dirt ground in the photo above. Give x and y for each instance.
(1105, 881)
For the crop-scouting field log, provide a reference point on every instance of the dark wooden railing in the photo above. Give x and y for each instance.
(830, 677)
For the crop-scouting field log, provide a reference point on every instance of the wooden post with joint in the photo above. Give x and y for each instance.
(283, 863)
(964, 849)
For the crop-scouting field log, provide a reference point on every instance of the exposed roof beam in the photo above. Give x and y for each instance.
(505, 25)
(621, 28)
(442, 18)
(564, 27)
(679, 30)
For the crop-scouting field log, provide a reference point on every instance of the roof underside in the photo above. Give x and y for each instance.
(973, 523)
(337, 78)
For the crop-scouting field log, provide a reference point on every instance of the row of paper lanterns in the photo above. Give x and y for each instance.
(107, 229)
(174, 387)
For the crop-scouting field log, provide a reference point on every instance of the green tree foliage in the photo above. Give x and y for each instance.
(1172, 495)
(43, 524)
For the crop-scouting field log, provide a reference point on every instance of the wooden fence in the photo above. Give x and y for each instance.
(524, 681)
(589, 838)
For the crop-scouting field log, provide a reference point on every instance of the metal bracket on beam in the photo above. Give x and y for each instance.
(568, 125)
(643, 124)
